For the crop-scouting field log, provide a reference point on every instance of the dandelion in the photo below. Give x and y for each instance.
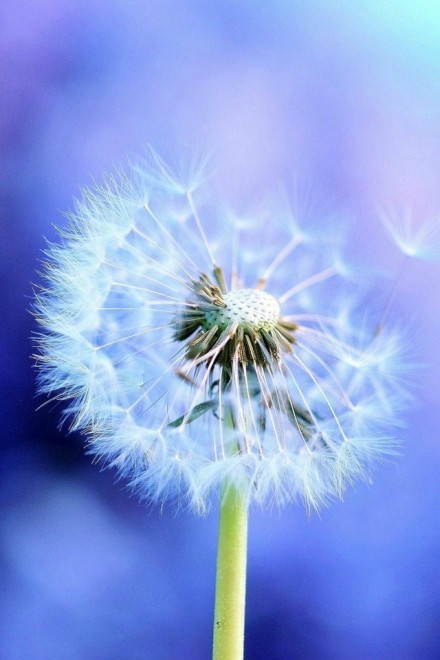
(207, 354)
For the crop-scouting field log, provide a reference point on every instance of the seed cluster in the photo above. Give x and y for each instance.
(243, 325)
(184, 384)
(249, 307)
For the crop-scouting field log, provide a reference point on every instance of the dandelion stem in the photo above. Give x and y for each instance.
(231, 577)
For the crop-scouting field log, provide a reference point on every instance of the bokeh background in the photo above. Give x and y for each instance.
(343, 95)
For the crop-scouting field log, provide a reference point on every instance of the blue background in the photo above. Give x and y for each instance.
(340, 94)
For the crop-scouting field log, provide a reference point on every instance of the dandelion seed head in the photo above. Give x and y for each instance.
(194, 345)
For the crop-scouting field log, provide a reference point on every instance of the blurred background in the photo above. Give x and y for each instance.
(343, 95)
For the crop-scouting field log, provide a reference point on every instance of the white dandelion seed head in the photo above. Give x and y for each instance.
(193, 345)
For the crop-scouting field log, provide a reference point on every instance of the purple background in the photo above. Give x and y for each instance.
(340, 94)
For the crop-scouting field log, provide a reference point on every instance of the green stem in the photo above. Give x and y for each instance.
(231, 577)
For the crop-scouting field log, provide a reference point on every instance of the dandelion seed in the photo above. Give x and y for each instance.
(414, 238)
